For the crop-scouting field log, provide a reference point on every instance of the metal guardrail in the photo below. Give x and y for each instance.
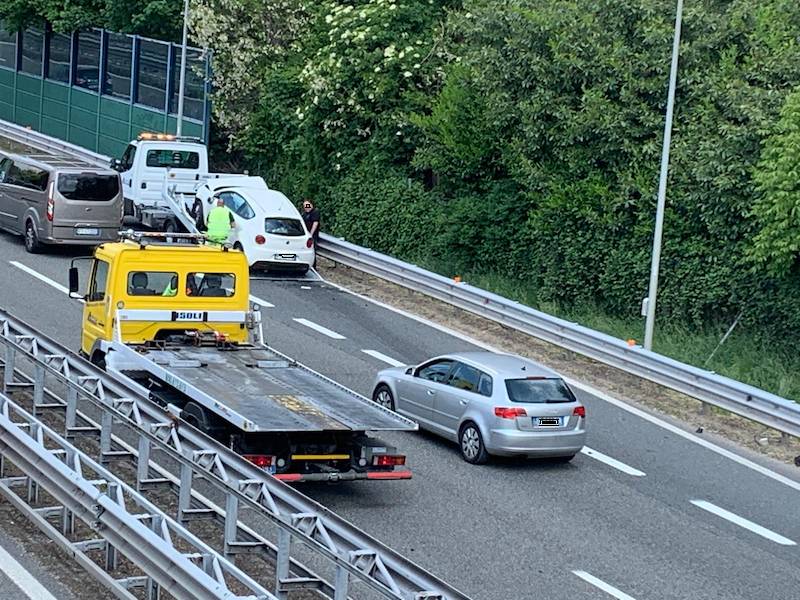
(126, 521)
(739, 398)
(744, 400)
(354, 556)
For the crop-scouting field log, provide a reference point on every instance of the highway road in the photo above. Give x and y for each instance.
(652, 511)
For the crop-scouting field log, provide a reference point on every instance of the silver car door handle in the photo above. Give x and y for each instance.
(430, 392)
(464, 402)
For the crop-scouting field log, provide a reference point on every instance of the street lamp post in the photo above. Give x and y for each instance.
(179, 126)
(662, 186)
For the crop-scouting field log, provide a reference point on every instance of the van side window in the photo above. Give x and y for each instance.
(126, 162)
(5, 167)
(27, 176)
(97, 285)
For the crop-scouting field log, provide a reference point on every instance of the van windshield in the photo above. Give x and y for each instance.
(283, 226)
(88, 186)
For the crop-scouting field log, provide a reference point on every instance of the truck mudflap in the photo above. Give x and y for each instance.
(347, 476)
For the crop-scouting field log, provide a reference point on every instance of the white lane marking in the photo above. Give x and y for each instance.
(795, 485)
(263, 303)
(387, 359)
(22, 578)
(305, 287)
(742, 522)
(321, 329)
(606, 587)
(39, 276)
(612, 462)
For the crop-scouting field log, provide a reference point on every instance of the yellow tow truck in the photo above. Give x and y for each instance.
(170, 314)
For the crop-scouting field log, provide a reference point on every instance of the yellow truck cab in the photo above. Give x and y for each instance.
(172, 321)
(142, 291)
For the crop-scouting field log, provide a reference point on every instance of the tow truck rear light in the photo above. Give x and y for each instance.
(260, 239)
(509, 412)
(50, 202)
(260, 460)
(388, 460)
(309, 242)
(580, 411)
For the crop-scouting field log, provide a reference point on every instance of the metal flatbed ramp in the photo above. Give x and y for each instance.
(271, 392)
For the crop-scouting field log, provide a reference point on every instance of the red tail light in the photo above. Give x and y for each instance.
(505, 412)
(260, 460)
(50, 202)
(309, 242)
(388, 460)
(260, 239)
(580, 411)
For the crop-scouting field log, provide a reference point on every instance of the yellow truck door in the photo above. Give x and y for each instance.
(96, 313)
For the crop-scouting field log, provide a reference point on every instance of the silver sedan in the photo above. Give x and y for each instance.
(488, 403)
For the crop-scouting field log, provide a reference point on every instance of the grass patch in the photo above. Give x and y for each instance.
(743, 357)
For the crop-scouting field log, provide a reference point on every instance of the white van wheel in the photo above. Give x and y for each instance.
(32, 243)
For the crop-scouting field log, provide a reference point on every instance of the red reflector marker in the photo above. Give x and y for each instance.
(260, 239)
(389, 475)
(388, 460)
(506, 412)
(580, 411)
(309, 242)
(260, 460)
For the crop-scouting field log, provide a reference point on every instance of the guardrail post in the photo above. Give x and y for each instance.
(231, 517)
(185, 492)
(282, 564)
(142, 462)
(38, 389)
(106, 423)
(70, 418)
(8, 368)
(153, 589)
(341, 585)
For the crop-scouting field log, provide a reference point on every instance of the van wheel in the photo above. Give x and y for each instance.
(32, 243)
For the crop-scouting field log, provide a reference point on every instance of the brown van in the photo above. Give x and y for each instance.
(51, 200)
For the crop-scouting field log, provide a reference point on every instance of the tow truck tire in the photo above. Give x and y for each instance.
(470, 441)
(99, 360)
(383, 396)
(32, 243)
(170, 226)
(197, 417)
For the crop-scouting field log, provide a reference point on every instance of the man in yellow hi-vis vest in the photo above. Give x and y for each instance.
(220, 223)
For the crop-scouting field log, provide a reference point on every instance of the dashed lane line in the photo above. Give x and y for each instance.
(612, 462)
(383, 358)
(602, 585)
(39, 276)
(745, 523)
(22, 578)
(323, 330)
(261, 302)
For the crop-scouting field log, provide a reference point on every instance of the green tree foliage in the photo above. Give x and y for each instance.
(777, 178)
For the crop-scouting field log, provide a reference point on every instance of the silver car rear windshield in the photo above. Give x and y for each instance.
(281, 226)
(91, 187)
(538, 391)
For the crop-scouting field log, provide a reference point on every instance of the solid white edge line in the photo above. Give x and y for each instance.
(320, 328)
(382, 357)
(261, 302)
(22, 578)
(742, 522)
(600, 584)
(39, 276)
(795, 485)
(612, 462)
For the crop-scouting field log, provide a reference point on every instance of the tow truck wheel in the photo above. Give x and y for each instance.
(99, 360)
(197, 417)
(383, 396)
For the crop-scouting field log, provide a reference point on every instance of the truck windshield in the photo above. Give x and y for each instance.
(211, 285)
(152, 283)
(92, 187)
(174, 159)
(538, 391)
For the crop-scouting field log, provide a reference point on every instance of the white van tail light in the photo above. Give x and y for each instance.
(50, 202)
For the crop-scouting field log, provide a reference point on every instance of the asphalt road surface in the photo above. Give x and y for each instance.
(648, 511)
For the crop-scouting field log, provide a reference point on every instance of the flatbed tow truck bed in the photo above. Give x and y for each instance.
(257, 388)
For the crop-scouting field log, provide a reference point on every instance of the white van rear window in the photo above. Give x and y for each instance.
(90, 187)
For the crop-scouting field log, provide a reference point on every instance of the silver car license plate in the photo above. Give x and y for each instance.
(286, 256)
(547, 421)
(87, 231)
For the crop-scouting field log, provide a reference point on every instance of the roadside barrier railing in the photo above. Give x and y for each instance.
(41, 366)
(711, 388)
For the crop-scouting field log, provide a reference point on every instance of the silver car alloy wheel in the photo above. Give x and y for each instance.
(384, 398)
(470, 443)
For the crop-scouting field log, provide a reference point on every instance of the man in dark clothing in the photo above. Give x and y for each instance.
(311, 219)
